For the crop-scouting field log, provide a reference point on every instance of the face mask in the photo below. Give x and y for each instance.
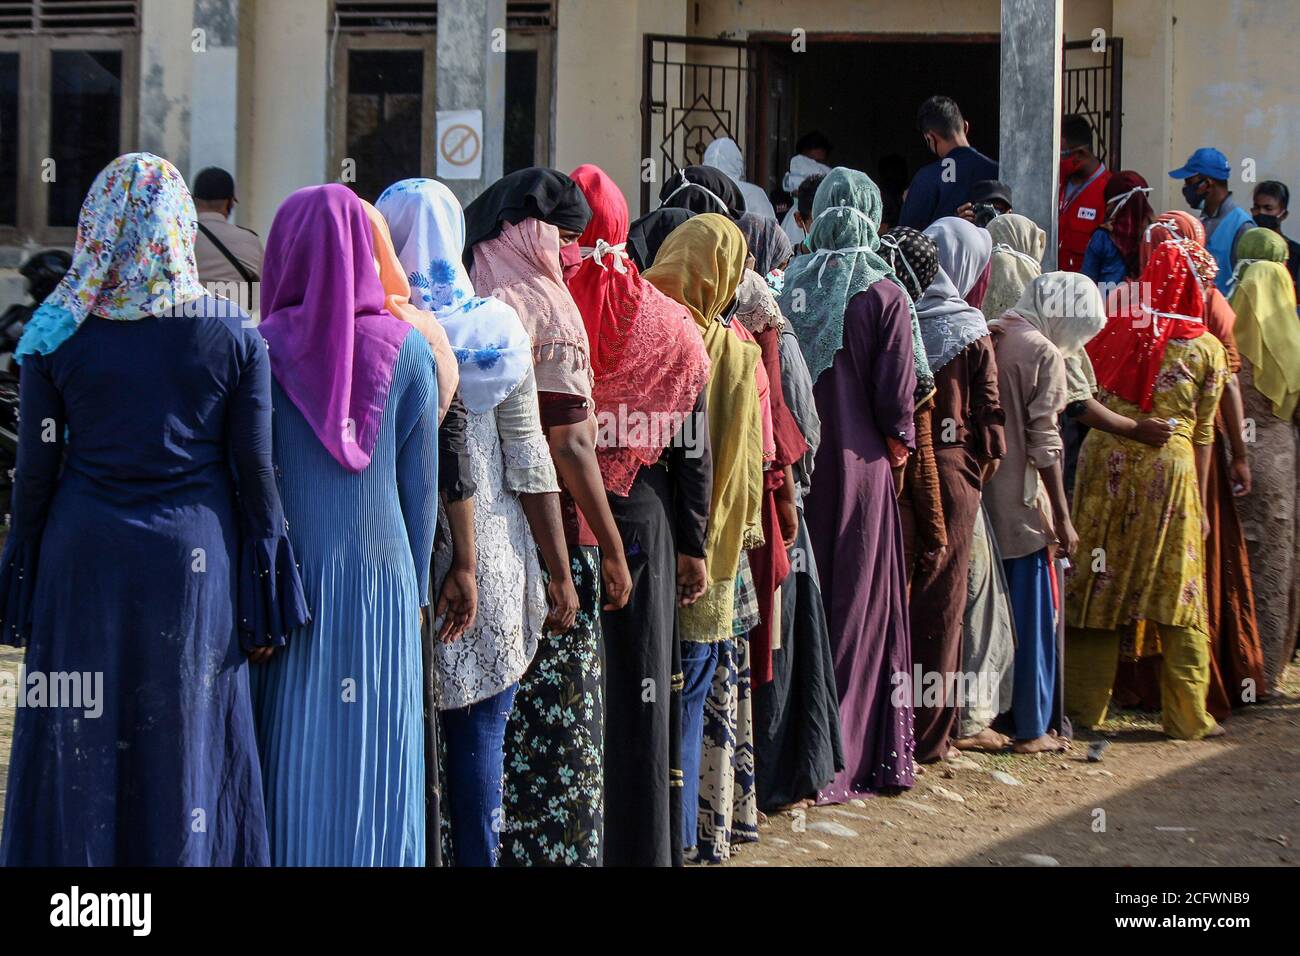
(1192, 194)
(1070, 165)
(1268, 222)
(570, 259)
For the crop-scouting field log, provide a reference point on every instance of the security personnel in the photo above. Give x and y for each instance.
(1082, 197)
(227, 254)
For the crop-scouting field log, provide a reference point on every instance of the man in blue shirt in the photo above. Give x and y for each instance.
(940, 188)
(1205, 178)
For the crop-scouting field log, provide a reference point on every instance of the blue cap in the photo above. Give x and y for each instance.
(1206, 161)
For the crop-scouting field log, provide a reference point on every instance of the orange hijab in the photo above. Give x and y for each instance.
(397, 299)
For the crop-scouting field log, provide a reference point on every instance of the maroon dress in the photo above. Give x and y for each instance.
(852, 517)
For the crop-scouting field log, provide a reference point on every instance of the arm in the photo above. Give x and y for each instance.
(530, 474)
(458, 595)
(1054, 480)
(1207, 405)
(927, 500)
(1043, 444)
(986, 418)
(573, 449)
(1149, 431)
(41, 423)
(691, 463)
(1234, 414)
(889, 357)
(417, 460)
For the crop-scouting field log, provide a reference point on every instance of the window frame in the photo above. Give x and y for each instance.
(35, 63)
(338, 118)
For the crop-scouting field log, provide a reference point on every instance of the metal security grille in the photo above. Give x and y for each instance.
(413, 16)
(68, 16)
(1092, 85)
(692, 92)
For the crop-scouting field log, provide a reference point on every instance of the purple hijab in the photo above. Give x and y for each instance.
(333, 346)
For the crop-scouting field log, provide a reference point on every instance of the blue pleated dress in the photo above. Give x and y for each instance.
(340, 710)
(148, 552)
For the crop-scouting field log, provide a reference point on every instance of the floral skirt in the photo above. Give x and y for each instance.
(554, 787)
(728, 799)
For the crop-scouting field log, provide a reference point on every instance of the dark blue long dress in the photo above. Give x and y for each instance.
(134, 561)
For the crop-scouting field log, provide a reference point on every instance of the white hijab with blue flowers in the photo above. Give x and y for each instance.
(491, 344)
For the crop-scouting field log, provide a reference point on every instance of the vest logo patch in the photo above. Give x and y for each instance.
(1087, 212)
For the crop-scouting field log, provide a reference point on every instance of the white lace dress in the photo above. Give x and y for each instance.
(508, 457)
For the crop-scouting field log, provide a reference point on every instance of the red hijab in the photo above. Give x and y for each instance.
(1128, 218)
(647, 356)
(1165, 303)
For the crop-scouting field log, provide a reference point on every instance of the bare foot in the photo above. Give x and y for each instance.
(797, 805)
(988, 740)
(762, 818)
(1048, 743)
(1218, 731)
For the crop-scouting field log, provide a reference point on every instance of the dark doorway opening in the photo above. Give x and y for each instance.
(863, 94)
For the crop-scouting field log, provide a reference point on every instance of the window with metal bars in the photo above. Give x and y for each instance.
(68, 16)
(413, 16)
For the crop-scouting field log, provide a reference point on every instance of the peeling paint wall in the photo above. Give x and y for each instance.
(214, 88)
(166, 65)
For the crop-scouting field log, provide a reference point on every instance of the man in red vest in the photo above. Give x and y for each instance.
(1082, 197)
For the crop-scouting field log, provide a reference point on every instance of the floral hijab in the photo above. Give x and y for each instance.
(492, 349)
(134, 256)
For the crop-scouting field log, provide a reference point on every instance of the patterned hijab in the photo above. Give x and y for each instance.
(913, 256)
(647, 357)
(948, 322)
(1267, 331)
(767, 241)
(333, 343)
(397, 291)
(521, 267)
(134, 256)
(701, 189)
(1128, 352)
(700, 266)
(844, 261)
(1018, 247)
(492, 349)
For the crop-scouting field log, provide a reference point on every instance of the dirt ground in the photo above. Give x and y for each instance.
(1233, 801)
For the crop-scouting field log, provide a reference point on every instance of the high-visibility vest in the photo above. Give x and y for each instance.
(1079, 219)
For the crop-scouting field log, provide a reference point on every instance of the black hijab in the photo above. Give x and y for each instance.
(689, 188)
(532, 193)
(647, 234)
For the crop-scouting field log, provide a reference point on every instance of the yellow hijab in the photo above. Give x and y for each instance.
(1267, 329)
(700, 265)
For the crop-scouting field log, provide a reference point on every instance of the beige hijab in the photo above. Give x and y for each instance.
(1018, 247)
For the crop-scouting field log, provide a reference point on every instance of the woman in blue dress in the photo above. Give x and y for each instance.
(147, 554)
(340, 710)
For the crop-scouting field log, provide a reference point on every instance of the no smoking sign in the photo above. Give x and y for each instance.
(460, 144)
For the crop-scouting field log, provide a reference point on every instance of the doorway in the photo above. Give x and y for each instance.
(862, 93)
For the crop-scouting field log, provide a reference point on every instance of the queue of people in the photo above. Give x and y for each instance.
(527, 534)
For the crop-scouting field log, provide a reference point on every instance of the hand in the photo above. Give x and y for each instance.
(787, 518)
(1205, 525)
(1239, 476)
(1067, 537)
(260, 655)
(618, 581)
(1153, 431)
(457, 604)
(562, 600)
(929, 560)
(692, 579)
(966, 211)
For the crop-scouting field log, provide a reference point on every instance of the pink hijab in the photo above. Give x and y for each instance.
(333, 344)
(521, 267)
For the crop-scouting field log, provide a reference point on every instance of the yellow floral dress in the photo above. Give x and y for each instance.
(1137, 509)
